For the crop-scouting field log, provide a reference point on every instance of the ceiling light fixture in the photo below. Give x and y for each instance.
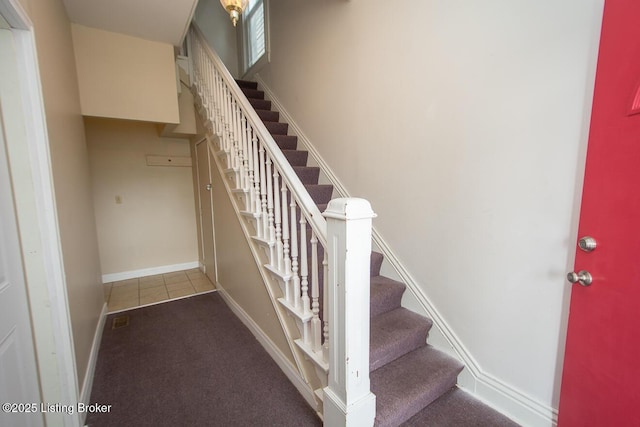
(235, 8)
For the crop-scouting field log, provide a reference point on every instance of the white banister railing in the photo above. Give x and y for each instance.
(315, 283)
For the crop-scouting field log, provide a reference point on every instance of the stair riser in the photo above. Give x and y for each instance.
(405, 386)
(308, 175)
(376, 263)
(320, 194)
(386, 295)
(296, 157)
(247, 84)
(268, 116)
(260, 104)
(277, 128)
(395, 334)
(286, 142)
(253, 93)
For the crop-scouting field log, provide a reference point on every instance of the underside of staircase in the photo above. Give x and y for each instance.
(414, 383)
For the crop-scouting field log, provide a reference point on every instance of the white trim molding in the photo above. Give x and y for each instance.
(494, 392)
(124, 275)
(87, 385)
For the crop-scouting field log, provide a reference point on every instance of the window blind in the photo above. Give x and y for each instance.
(255, 33)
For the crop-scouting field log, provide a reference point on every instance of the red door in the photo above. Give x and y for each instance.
(601, 376)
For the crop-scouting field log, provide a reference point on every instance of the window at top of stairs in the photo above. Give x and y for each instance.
(255, 28)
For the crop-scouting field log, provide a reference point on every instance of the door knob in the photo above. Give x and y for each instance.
(587, 243)
(208, 187)
(583, 277)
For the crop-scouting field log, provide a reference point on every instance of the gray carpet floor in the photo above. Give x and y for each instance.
(191, 362)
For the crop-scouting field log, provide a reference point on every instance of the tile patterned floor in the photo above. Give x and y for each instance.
(131, 293)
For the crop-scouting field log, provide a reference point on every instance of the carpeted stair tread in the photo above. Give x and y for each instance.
(260, 104)
(286, 142)
(386, 295)
(408, 384)
(277, 128)
(406, 373)
(247, 84)
(268, 115)
(253, 93)
(296, 157)
(458, 408)
(394, 334)
(320, 193)
(307, 174)
(376, 263)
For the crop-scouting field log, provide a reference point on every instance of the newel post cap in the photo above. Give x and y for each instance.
(348, 208)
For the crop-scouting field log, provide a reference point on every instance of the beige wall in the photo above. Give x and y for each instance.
(220, 33)
(237, 272)
(125, 77)
(155, 225)
(464, 123)
(70, 168)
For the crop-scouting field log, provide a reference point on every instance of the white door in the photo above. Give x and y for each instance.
(206, 210)
(18, 378)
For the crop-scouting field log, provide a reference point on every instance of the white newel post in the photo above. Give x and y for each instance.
(348, 400)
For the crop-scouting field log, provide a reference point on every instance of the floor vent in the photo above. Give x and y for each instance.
(120, 322)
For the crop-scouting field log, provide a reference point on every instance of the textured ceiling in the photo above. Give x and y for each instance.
(159, 20)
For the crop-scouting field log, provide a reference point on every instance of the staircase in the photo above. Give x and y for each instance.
(406, 374)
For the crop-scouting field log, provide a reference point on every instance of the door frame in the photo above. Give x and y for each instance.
(30, 160)
(205, 141)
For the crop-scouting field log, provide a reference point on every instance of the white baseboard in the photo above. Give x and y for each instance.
(87, 384)
(496, 393)
(114, 277)
(275, 353)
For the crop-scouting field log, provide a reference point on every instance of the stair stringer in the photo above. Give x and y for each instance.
(483, 385)
(305, 368)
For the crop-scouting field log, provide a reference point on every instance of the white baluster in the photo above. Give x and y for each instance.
(294, 254)
(285, 230)
(244, 173)
(270, 217)
(218, 109)
(234, 135)
(227, 126)
(316, 326)
(263, 195)
(256, 183)
(239, 133)
(325, 310)
(224, 105)
(277, 218)
(206, 91)
(256, 174)
(304, 269)
(285, 243)
(250, 178)
(304, 283)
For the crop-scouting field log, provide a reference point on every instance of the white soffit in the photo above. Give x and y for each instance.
(163, 21)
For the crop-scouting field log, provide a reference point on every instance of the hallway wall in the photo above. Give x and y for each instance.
(155, 223)
(464, 123)
(216, 26)
(71, 178)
